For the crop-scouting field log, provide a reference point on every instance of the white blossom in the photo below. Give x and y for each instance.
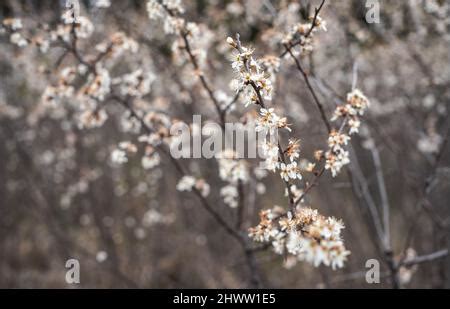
(304, 234)
(230, 195)
(119, 156)
(150, 161)
(186, 183)
(17, 39)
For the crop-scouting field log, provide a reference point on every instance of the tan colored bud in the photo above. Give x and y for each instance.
(231, 42)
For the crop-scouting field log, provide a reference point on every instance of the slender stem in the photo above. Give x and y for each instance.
(383, 194)
(311, 89)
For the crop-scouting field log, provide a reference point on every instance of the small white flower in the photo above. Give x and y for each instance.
(290, 171)
(354, 125)
(17, 39)
(101, 256)
(230, 195)
(149, 162)
(429, 143)
(119, 156)
(186, 183)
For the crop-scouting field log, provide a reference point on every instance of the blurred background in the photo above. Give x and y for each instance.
(63, 198)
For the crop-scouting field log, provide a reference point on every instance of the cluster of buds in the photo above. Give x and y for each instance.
(305, 235)
(336, 156)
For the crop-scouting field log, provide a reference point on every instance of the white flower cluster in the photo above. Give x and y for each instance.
(200, 38)
(79, 187)
(271, 152)
(230, 195)
(165, 10)
(119, 155)
(290, 171)
(233, 171)
(52, 95)
(151, 158)
(430, 143)
(153, 217)
(272, 162)
(83, 27)
(102, 3)
(254, 81)
(10, 111)
(356, 105)
(187, 183)
(306, 234)
(302, 34)
(336, 156)
(12, 26)
(135, 84)
(249, 74)
(92, 118)
(119, 43)
(269, 121)
(98, 84)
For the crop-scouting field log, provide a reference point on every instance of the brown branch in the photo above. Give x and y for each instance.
(425, 258)
(311, 89)
(261, 103)
(184, 35)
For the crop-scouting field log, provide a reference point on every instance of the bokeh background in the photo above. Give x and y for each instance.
(61, 197)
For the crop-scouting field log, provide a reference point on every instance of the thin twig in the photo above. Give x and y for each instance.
(425, 258)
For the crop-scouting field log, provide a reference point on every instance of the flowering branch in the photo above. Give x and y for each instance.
(184, 33)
